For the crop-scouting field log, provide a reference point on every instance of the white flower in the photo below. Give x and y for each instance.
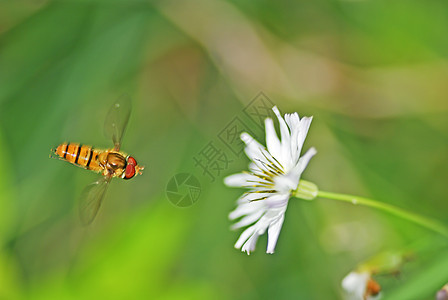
(360, 286)
(274, 174)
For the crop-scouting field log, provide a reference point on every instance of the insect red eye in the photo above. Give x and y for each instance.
(132, 161)
(129, 172)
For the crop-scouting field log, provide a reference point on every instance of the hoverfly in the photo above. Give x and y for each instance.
(109, 162)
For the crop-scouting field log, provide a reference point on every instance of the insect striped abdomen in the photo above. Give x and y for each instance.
(71, 153)
(80, 155)
(92, 162)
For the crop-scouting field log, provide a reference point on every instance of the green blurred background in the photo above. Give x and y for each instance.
(373, 74)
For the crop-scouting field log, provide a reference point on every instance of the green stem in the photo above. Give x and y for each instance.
(412, 217)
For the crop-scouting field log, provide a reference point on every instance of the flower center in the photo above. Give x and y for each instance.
(285, 183)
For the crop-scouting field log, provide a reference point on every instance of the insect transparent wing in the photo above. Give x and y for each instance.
(91, 199)
(117, 119)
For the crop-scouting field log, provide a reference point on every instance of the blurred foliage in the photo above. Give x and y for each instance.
(373, 74)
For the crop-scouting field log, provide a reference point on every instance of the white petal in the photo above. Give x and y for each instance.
(254, 168)
(249, 237)
(272, 217)
(277, 200)
(304, 126)
(272, 141)
(254, 151)
(273, 233)
(250, 197)
(250, 244)
(252, 146)
(238, 180)
(293, 122)
(246, 209)
(248, 219)
(284, 184)
(268, 215)
(246, 180)
(286, 139)
(258, 154)
(304, 160)
(245, 236)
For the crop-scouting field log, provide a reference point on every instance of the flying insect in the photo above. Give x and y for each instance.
(109, 163)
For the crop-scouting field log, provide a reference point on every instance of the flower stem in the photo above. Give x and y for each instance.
(411, 217)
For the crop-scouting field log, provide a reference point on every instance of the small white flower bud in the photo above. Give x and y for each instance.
(443, 293)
